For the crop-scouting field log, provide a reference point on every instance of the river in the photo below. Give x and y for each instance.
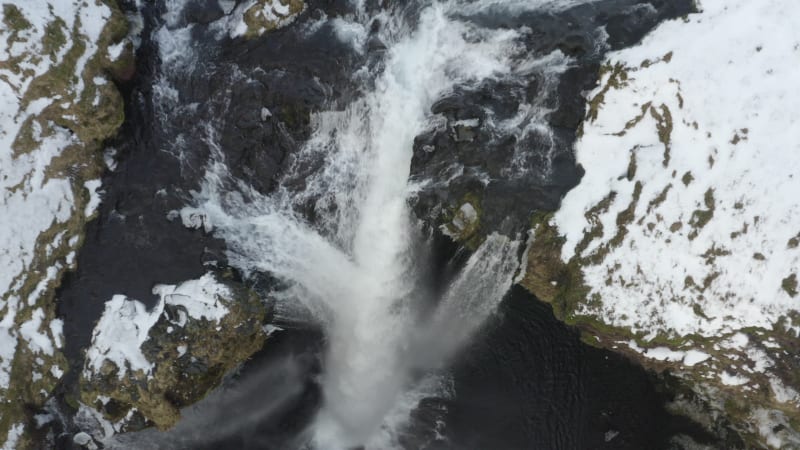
(309, 161)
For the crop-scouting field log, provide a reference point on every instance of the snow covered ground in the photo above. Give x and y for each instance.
(50, 55)
(687, 222)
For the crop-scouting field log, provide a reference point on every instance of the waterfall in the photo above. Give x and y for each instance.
(354, 269)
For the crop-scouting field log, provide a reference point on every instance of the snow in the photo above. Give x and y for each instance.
(13, 436)
(109, 157)
(119, 334)
(693, 357)
(30, 332)
(664, 354)
(274, 11)
(774, 426)
(8, 346)
(32, 200)
(729, 87)
(114, 51)
(469, 123)
(783, 393)
(200, 297)
(56, 372)
(689, 358)
(94, 197)
(125, 324)
(57, 331)
(732, 380)
(465, 217)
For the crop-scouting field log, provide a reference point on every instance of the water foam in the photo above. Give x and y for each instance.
(355, 268)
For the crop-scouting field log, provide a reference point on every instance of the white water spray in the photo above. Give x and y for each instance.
(354, 268)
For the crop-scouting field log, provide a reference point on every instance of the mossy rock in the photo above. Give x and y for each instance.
(462, 222)
(189, 361)
(259, 23)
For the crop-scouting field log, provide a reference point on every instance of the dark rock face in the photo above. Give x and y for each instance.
(510, 174)
(203, 12)
(133, 244)
(265, 118)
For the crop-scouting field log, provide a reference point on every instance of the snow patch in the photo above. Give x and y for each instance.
(693, 357)
(119, 334)
(274, 12)
(775, 429)
(732, 380)
(126, 323)
(33, 199)
(13, 436)
(31, 332)
(783, 393)
(94, 196)
(689, 201)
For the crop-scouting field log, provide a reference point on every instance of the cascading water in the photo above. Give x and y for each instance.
(355, 268)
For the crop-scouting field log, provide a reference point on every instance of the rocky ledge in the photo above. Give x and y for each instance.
(144, 366)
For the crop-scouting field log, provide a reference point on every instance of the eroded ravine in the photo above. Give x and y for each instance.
(292, 156)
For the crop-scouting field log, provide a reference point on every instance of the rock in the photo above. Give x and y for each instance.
(530, 168)
(203, 11)
(268, 15)
(134, 246)
(84, 440)
(200, 331)
(466, 132)
(374, 44)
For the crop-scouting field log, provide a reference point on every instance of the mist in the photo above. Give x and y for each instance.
(357, 269)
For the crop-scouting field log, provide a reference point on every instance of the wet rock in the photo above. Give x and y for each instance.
(513, 172)
(203, 11)
(574, 45)
(374, 43)
(133, 244)
(465, 132)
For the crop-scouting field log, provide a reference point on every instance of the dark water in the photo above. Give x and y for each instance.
(527, 381)
(530, 383)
